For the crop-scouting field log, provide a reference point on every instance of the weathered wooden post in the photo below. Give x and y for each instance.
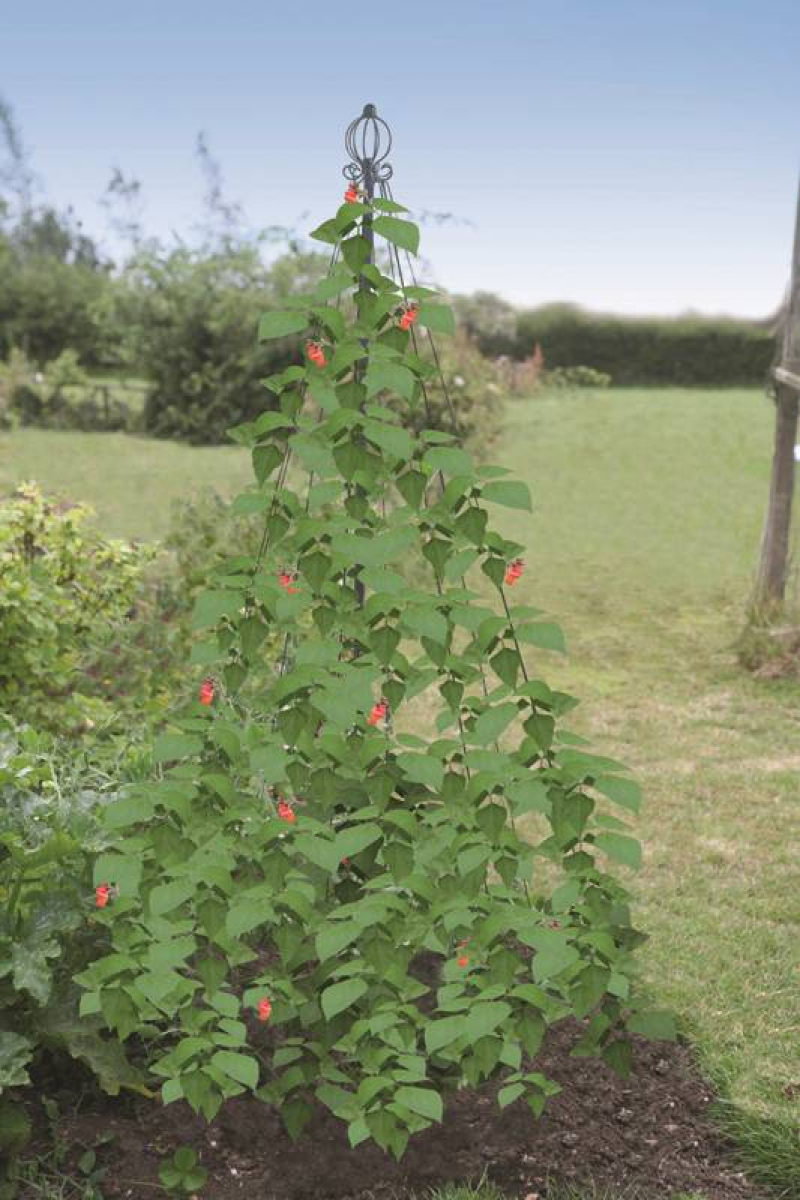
(775, 543)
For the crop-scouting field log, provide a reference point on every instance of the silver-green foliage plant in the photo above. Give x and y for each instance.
(310, 904)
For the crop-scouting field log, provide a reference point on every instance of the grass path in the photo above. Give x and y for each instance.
(648, 510)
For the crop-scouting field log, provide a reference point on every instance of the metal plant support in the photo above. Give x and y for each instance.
(773, 567)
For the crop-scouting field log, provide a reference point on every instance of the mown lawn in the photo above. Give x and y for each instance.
(129, 481)
(648, 512)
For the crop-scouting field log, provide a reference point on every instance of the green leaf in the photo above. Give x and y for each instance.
(508, 492)
(450, 459)
(281, 324)
(318, 849)
(15, 1129)
(442, 1032)
(241, 1067)
(625, 850)
(350, 842)
(30, 971)
(656, 1023)
(490, 724)
(389, 376)
(420, 768)
(423, 1101)
(618, 1054)
(484, 1017)
(401, 233)
(544, 634)
(170, 746)
(509, 1094)
(437, 317)
(168, 896)
(328, 232)
(381, 204)
(335, 937)
(624, 792)
(506, 665)
(339, 996)
(211, 607)
(15, 1054)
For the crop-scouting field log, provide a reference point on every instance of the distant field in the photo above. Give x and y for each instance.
(648, 512)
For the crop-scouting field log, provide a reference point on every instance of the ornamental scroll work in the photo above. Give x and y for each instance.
(368, 141)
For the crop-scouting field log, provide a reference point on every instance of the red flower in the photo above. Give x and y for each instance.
(514, 570)
(287, 580)
(378, 713)
(101, 895)
(345, 862)
(351, 195)
(264, 1009)
(286, 812)
(409, 317)
(316, 354)
(463, 960)
(207, 691)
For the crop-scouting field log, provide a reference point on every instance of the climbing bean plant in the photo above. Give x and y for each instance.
(309, 903)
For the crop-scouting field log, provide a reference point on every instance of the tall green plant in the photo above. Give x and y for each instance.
(314, 903)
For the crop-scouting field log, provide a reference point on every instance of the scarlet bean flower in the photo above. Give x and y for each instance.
(463, 960)
(287, 581)
(378, 713)
(409, 317)
(286, 812)
(101, 895)
(514, 571)
(316, 354)
(264, 1009)
(345, 863)
(207, 691)
(351, 195)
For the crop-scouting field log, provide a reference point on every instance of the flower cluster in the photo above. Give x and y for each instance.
(379, 712)
(316, 354)
(514, 571)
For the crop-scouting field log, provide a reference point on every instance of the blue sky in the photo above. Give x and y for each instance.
(622, 154)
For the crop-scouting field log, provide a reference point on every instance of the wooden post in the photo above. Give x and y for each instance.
(773, 569)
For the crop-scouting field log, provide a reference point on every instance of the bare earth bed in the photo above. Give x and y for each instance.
(650, 1133)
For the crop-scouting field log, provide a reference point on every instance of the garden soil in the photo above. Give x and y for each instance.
(649, 1136)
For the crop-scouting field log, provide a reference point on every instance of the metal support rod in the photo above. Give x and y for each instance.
(368, 141)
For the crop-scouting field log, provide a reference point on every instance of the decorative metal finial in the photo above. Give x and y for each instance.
(368, 141)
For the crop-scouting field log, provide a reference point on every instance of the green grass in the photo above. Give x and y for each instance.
(129, 481)
(648, 512)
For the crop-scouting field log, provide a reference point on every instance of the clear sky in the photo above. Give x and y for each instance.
(626, 155)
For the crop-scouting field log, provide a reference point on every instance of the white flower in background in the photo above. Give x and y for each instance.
(797, 454)
(458, 381)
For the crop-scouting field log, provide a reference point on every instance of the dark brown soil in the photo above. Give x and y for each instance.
(650, 1133)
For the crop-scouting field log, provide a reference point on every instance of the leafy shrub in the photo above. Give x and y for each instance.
(680, 351)
(195, 315)
(59, 397)
(49, 831)
(566, 378)
(308, 888)
(62, 588)
(48, 306)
